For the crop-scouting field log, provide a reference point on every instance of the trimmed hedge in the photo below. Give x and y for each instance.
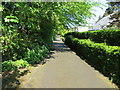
(103, 57)
(111, 37)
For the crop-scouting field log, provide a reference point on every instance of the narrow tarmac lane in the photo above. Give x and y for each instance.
(65, 70)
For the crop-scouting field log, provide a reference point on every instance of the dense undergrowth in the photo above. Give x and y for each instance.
(33, 56)
(104, 57)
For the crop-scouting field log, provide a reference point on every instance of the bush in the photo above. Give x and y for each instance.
(36, 54)
(8, 66)
(32, 56)
(21, 63)
(14, 65)
(103, 57)
(111, 37)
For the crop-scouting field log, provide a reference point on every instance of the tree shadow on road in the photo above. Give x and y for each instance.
(56, 47)
(60, 47)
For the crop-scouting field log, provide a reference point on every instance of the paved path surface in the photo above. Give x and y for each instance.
(65, 70)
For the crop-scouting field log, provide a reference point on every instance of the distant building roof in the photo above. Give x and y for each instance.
(103, 22)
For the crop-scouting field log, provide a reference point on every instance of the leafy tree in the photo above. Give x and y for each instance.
(114, 11)
(29, 24)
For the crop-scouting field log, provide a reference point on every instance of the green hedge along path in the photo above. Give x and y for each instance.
(101, 55)
(65, 70)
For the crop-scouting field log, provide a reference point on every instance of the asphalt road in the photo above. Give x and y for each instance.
(64, 69)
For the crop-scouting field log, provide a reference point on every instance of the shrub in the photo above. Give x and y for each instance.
(14, 65)
(21, 63)
(36, 54)
(111, 37)
(8, 66)
(103, 57)
(32, 56)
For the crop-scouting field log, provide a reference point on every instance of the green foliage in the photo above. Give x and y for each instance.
(33, 56)
(8, 66)
(111, 37)
(36, 54)
(11, 19)
(14, 44)
(21, 63)
(14, 65)
(103, 57)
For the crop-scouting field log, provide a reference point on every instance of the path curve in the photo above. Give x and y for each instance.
(64, 69)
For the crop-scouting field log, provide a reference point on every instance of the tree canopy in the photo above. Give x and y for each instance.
(27, 24)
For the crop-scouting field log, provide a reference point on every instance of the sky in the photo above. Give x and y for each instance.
(98, 11)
